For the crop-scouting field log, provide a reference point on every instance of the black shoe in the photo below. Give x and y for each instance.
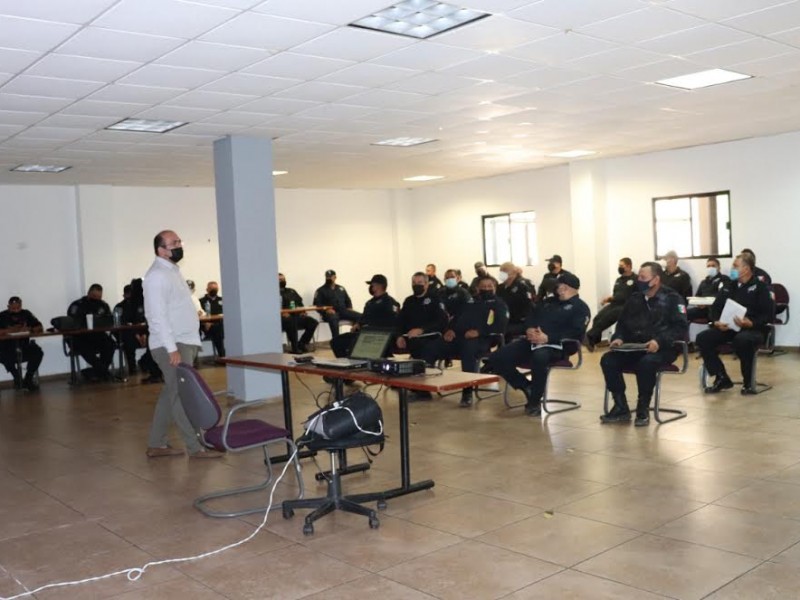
(448, 363)
(642, 419)
(533, 409)
(302, 348)
(29, 384)
(466, 399)
(722, 382)
(749, 390)
(620, 417)
(17, 382)
(153, 379)
(589, 342)
(486, 368)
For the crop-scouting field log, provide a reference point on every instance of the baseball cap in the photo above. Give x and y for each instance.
(570, 280)
(556, 258)
(479, 264)
(15, 300)
(379, 279)
(330, 273)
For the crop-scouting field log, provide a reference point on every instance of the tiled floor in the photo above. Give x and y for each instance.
(554, 508)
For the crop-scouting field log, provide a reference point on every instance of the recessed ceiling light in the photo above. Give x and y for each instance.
(572, 154)
(146, 125)
(701, 79)
(40, 168)
(404, 141)
(423, 178)
(276, 173)
(419, 19)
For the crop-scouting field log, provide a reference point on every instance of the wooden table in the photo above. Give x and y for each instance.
(448, 381)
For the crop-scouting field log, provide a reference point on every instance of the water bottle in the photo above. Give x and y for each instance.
(117, 316)
(207, 308)
(292, 304)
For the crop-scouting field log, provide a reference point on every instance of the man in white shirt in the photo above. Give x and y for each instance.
(174, 338)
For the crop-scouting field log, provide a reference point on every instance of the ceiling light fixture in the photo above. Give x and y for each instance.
(146, 125)
(423, 178)
(572, 154)
(702, 79)
(419, 19)
(404, 142)
(40, 168)
(276, 173)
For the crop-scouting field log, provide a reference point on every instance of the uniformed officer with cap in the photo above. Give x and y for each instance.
(547, 288)
(518, 294)
(334, 295)
(380, 312)
(624, 286)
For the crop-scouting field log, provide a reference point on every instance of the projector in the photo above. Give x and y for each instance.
(398, 368)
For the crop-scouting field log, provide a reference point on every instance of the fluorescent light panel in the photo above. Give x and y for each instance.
(423, 178)
(419, 19)
(702, 79)
(276, 173)
(572, 154)
(146, 125)
(40, 168)
(404, 141)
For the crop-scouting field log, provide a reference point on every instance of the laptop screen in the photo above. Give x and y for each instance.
(371, 344)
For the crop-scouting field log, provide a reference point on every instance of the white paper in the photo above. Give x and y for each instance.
(729, 311)
(701, 300)
(630, 347)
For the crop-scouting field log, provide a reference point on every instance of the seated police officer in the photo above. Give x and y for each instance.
(518, 294)
(97, 349)
(759, 273)
(753, 294)
(624, 286)
(566, 317)
(16, 320)
(469, 336)
(547, 288)
(712, 286)
(454, 296)
(654, 315)
(127, 337)
(291, 324)
(480, 271)
(674, 277)
(336, 297)
(212, 305)
(380, 312)
(433, 281)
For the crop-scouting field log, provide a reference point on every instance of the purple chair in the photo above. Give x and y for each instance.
(205, 415)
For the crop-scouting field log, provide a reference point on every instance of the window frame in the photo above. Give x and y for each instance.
(508, 215)
(689, 197)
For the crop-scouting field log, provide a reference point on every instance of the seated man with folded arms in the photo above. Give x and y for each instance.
(17, 320)
(380, 312)
(753, 294)
(422, 318)
(518, 294)
(291, 324)
(712, 286)
(469, 336)
(565, 317)
(654, 315)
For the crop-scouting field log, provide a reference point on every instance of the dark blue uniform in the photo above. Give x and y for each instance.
(336, 297)
(624, 286)
(426, 313)
(291, 324)
(213, 331)
(97, 349)
(31, 352)
(380, 312)
(519, 297)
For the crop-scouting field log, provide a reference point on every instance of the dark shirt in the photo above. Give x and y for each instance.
(678, 281)
(214, 304)
(560, 319)
(15, 319)
(463, 286)
(289, 295)
(86, 306)
(426, 313)
(335, 297)
(549, 284)
(380, 312)
(624, 286)
(519, 298)
(710, 287)
(454, 299)
(434, 282)
(130, 312)
(762, 275)
(661, 318)
(753, 295)
(486, 316)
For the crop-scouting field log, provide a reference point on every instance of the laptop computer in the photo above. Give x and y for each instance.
(370, 345)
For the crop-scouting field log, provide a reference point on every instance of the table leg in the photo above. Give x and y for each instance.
(287, 422)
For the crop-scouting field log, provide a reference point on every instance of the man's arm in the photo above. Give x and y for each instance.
(156, 298)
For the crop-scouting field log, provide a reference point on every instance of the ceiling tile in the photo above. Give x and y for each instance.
(65, 12)
(717, 10)
(240, 4)
(560, 48)
(323, 11)
(106, 109)
(319, 91)
(16, 61)
(204, 55)
(337, 112)
(769, 20)
(490, 66)
(790, 36)
(118, 45)
(175, 113)
(385, 99)
(172, 77)
(494, 34)
(77, 121)
(81, 67)
(118, 92)
(641, 25)
(545, 77)
(287, 64)
(257, 85)
(350, 43)
(694, 40)
(613, 61)
(752, 49)
(55, 133)
(569, 14)
(28, 34)
(266, 32)
(770, 67)
(29, 85)
(236, 117)
(432, 83)
(368, 75)
(664, 69)
(10, 117)
(493, 6)
(429, 56)
(32, 103)
(171, 18)
(203, 99)
(277, 106)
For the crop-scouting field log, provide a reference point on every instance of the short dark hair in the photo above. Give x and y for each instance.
(431, 265)
(127, 289)
(95, 287)
(485, 277)
(714, 260)
(419, 274)
(749, 253)
(627, 261)
(158, 241)
(655, 268)
(748, 259)
(15, 300)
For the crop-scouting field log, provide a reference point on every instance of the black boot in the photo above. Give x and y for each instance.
(466, 398)
(533, 407)
(722, 382)
(642, 412)
(619, 413)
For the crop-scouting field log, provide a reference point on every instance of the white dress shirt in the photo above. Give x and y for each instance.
(170, 312)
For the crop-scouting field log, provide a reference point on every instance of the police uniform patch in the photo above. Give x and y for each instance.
(426, 301)
(682, 309)
(629, 282)
(752, 288)
(490, 319)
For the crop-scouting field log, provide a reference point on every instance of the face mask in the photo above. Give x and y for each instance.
(328, 281)
(282, 284)
(551, 267)
(642, 286)
(450, 283)
(213, 292)
(177, 255)
(418, 289)
(620, 270)
(734, 274)
(486, 295)
(712, 272)
(502, 276)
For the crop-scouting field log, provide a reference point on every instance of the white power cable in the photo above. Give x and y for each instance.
(337, 406)
(135, 573)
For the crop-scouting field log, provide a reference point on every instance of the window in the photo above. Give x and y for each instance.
(696, 226)
(510, 237)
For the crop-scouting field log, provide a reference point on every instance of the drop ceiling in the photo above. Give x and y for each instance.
(498, 95)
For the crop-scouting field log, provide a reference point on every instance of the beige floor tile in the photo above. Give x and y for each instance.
(181, 587)
(767, 497)
(696, 484)
(470, 570)
(25, 509)
(655, 449)
(669, 567)
(404, 504)
(559, 538)
(747, 463)
(573, 585)
(601, 468)
(371, 586)
(469, 515)
(768, 581)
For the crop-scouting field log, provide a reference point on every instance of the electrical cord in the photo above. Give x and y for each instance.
(135, 573)
(310, 391)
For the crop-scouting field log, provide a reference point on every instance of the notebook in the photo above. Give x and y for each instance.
(370, 345)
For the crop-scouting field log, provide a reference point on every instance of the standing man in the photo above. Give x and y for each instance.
(624, 286)
(212, 305)
(675, 278)
(655, 315)
(752, 293)
(433, 281)
(518, 294)
(174, 339)
(547, 289)
(334, 295)
(291, 324)
(16, 320)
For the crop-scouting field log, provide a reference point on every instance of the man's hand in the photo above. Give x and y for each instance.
(450, 335)
(471, 334)
(330, 311)
(615, 343)
(174, 358)
(415, 332)
(536, 336)
(606, 300)
(355, 327)
(744, 322)
(652, 347)
(721, 326)
(401, 343)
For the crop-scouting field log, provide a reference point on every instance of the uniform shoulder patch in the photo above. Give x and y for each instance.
(426, 301)
(629, 282)
(682, 309)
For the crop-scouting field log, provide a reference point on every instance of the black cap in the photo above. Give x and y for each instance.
(330, 273)
(190, 283)
(15, 300)
(556, 258)
(570, 280)
(379, 279)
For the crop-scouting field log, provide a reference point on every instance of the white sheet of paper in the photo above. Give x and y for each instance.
(729, 311)
(701, 300)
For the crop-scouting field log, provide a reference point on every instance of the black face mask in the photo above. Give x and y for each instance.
(282, 284)
(418, 289)
(551, 267)
(177, 255)
(213, 293)
(486, 295)
(328, 281)
(620, 270)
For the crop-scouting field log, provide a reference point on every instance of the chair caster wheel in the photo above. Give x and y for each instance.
(374, 523)
(308, 529)
(381, 504)
(288, 513)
